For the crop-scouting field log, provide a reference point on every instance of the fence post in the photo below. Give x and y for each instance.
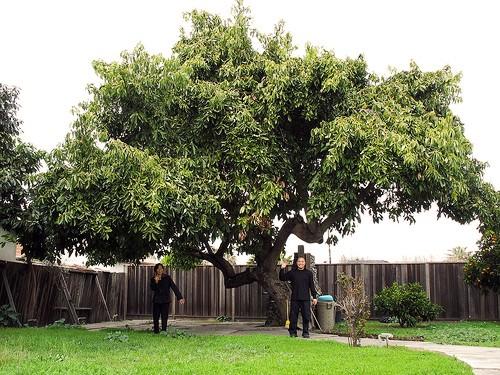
(175, 301)
(125, 291)
(498, 301)
(362, 273)
(428, 280)
(232, 304)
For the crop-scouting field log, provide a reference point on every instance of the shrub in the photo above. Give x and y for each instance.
(483, 268)
(408, 303)
(8, 316)
(61, 323)
(117, 336)
(223, 318)
(176, 333)
(355, 306)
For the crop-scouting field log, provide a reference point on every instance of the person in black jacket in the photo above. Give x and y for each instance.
(302, 288)
(161, 283)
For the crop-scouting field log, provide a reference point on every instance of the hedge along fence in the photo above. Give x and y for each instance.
(38, 294)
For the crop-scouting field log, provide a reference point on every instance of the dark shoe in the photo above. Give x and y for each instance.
(293, 335)
(306, 335)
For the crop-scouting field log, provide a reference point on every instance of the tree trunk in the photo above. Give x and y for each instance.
(278, 293)
(277, 290)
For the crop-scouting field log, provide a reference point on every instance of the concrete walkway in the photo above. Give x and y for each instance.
(484, 361)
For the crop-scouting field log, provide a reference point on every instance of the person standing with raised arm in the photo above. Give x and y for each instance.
(302, 289)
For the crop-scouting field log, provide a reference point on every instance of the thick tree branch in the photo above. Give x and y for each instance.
(208, 247)
(269, 261)
(231, 278)
(248, 276)
(329, 221)
(219, 262)
(308, 232)
(224, 245)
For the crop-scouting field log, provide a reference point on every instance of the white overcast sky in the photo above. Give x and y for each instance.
(47, 48)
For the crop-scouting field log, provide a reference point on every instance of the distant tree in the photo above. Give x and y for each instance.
(344, 259)
(458, 254)
(231, 258)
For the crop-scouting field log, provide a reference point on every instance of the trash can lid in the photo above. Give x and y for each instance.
(325, 298)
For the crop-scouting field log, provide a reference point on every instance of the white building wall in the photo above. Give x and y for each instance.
(8, 251)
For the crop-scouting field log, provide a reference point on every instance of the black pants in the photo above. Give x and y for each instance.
(305, 309)
(160, 309)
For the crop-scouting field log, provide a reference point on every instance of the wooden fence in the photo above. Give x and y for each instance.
(443, 283)
(204, 291)
(206, 296)
(38, 294)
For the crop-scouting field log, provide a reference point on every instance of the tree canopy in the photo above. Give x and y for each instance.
(18, 161)
(483, 268)
(236, 141)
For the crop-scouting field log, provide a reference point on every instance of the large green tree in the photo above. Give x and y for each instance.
(235, 142)
(18, 161)
(483, 268)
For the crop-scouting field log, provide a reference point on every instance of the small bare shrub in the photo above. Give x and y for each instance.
(354, 305)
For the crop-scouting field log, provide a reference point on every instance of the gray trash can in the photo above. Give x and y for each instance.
(326, 314)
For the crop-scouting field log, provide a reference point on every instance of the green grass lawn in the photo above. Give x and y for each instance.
(77, 351)
(458, 333)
